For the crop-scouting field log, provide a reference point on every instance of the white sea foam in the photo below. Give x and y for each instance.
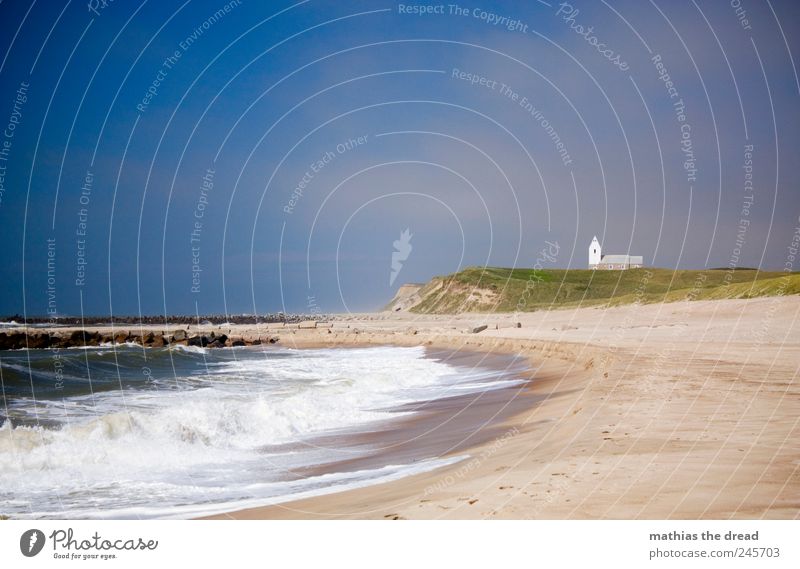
(215, 438)
(270, 493)
(190, 349)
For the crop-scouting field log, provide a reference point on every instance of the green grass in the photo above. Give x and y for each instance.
(494, 289)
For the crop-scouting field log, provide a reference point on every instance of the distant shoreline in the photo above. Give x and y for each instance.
(642, 285)
(172, 320)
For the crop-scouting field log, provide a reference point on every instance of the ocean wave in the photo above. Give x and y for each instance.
(189, 349)
(220, 500)
(220, 424)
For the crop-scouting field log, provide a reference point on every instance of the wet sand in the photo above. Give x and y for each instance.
(448, 426)
(445, 426)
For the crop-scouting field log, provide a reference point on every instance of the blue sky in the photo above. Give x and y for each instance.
(485, 142)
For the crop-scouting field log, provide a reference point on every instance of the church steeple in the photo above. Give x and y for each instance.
(595, 254)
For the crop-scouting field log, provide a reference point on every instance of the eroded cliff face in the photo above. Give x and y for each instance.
(406, 297)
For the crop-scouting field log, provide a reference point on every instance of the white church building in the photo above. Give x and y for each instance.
(611, 262)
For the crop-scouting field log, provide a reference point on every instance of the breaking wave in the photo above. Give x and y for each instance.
(148, 433)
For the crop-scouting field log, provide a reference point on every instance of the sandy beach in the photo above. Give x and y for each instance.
(661, 411)
(676, 411)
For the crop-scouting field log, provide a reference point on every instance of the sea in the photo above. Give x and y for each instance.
(126, 432)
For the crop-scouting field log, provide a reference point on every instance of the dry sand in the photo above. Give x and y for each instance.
(684, 410)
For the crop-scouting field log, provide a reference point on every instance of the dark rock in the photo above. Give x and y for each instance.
(201, 341)
(218, 341)
(39, 341)
(78, 338)
(16, 341)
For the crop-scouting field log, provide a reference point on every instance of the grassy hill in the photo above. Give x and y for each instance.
(508, 290)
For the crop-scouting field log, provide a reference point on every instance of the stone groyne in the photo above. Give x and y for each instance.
(16, 340)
